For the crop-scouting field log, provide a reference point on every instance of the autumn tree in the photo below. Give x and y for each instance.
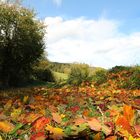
(21, 43)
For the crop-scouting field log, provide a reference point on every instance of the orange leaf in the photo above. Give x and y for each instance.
(97, 136)
(123, 123)
(40, 123)
(128, 113)
(38, 136)
(94, 124)
(111, 138)
(57, 117)
(6, 126)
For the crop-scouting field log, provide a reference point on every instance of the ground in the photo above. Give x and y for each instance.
(83, 112)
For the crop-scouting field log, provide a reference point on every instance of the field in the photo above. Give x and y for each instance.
(85, 112)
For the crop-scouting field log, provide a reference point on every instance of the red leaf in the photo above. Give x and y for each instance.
(38, 136)
(75, 108)
(40, 123)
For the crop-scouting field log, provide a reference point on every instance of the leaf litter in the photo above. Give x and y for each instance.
(84, 112)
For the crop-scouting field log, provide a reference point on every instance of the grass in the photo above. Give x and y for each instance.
(60, 76)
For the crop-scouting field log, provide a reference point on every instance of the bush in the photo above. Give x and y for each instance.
(133, 81)
(79, 73)
(118, 69)
(100, 77)
(42, 72)
(44, 75)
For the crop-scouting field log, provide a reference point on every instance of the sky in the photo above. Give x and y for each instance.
(101, 33)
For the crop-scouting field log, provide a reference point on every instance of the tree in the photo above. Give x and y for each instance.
(21, 43)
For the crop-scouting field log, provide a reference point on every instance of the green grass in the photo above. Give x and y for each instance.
(60, 76)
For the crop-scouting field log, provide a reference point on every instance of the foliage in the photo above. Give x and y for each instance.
(79, 74)
(133, 81)
(42, 72)
(21, 43)
(100, 77)
(83, 112)
(118, 69)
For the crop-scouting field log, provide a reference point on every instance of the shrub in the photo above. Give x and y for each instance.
(118, 69)
(100, 77)
(44, 75)
(133, 81)
(79, 74)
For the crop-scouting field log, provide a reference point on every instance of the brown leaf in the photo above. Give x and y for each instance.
(57, 117)
(79, 121)
(94, 124)
(111, 138)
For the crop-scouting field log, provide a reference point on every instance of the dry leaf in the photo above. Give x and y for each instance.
(38, 136)
(122, 122)
(56, 117)
(40, 123)
(57, 133)
(128, 113)
(111, 138)
(79, 121)
(94, 124)
(6, 126)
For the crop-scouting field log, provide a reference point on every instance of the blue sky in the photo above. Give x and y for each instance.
(98, 32)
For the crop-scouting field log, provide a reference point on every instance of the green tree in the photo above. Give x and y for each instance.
(21, 43)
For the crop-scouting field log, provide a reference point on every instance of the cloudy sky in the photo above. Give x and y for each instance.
(101, 33)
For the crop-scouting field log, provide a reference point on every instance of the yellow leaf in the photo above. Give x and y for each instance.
(57, 133)
(6, 126)
(15, 113)
(8, 105)
(1, 138)
(25, 99)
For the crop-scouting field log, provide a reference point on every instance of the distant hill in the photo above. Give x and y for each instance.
(66, 67)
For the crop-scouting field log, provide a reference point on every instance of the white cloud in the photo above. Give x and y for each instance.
(57, 2)
(96, 42)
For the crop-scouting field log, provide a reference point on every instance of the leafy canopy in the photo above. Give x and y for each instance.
(21, 43)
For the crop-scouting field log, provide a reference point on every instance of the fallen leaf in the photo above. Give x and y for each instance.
(57, 133)
(94, 124)
(128, 113)
(123, 123)
(97, 136)
(6, 126)
(111, 138)
(1, 138)
(107, 130)
(15, 113)
(137, 129)
(40, 123)
(79, 121)
(56, 117)
(38, 136)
